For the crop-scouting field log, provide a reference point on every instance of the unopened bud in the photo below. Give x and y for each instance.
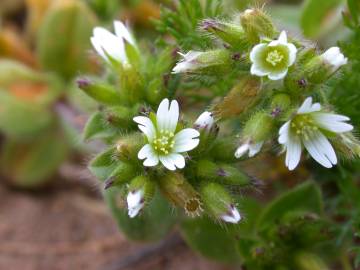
(196, 62)
(230, 33)
(208, 129)
(222, 173)
(240, 99)
(223, 149)
(122, 174)
(100, 92)
(181, 193)
(205, 121)
(256, 25)
(128, 147)
(280, 103)
(218, 203)
(141, 191)
(334, 58)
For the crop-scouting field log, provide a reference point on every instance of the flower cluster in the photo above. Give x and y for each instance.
(186, 161)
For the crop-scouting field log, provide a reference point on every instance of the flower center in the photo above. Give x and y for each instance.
(274, 57)
(164, 142)
(303, 125)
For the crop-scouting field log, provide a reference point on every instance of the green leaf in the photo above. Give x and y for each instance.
(210, 240)
(319, 16)
(152, 224)
(31, 164)
(64, 38)
(97, 128)
(305, 197)
(103, 164)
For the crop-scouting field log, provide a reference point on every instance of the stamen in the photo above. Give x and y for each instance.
(274, 57)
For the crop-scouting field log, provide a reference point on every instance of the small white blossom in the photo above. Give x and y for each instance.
(165, 143)
(108, 45)
(233, 216)
(251, 148)
(273, 59)
(334, 58)
(188, 63)
(205, 121)
(309, 128)
(135, 202)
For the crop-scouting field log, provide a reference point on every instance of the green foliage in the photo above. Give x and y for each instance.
(182, 24)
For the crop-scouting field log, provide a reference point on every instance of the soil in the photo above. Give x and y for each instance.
(67, 226)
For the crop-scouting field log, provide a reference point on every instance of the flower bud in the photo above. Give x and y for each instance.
(122, 174)
(256, 25)
(205, 124)
(100, 92)
(131, 84)
(223, 173)
(121, 116)
(127, 147)
(223, 150)
(230, 33)
(196, 62)
(141, 191)
(257, 129)
(240, 99)
(347, 145)
(205, 121)
(280, 103)
(334, 58)
(219, 204)
(181, 193)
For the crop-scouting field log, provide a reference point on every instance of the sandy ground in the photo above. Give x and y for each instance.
(68, 227)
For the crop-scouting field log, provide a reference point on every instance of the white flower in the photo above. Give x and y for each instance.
(251, 148)
(309, 128)
(273, 59)
(188, 63)
(233, 216)
(205, 121)
(135, 202)
(109, 45)
(164, 141)
(334, 58)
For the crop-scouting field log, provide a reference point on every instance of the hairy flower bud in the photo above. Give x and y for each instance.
(242, 97)
(208, 129)
(181, 193)
(222, 173)
(141, 191)
(230, 33)
(128, 147)
(219, 204)
(122, 174)
(256, 25)
(334, 58)
(280, 103)
(196, 62)
(223, 149)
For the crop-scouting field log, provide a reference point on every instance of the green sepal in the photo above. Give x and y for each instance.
(103, 93)
(97, 128)
(104, 164)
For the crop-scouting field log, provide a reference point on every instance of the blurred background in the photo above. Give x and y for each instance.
(52, 215)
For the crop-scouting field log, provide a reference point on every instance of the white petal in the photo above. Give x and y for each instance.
(111, 44)
(186, 140)
(232, 217)
(122, 31)
(332, 122)
(256, 70)
(282, 38)
(242, 149)
(293, 152)
(173, 116)
(205, 121)
(147, 153)
(277, 76)
(292, 53)
(178, 160)
(146, 126)
(135, 202)
(97, 46)
(316, 151)
(256, 50)
(284, 133)
(168, 162)
(308, 107)
(326, 147)
(255, 148)
(167, 118)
